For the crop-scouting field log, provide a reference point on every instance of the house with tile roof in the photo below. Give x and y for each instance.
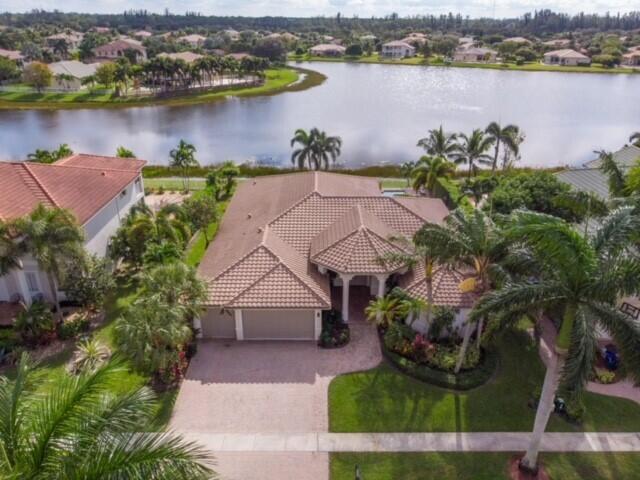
(99, 191)
(292, 246)
(118, 48)
(566, 57)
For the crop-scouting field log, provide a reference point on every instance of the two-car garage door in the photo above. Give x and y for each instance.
(261, 324)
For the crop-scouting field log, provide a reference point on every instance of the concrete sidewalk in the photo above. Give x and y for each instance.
(414, 442)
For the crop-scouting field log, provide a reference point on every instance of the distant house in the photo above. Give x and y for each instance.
(142, 34)
(368, 38)
(558, 42)
(68, 75)
(239, 56)
(233, 35)
(415, 39)
(566, 57)
(72, 39)
(631, 59)
(117, 49)
(194, 40)
(466, 41)
(475, 55)
(521, 40)
(188, 57)
(327, 50)
(14, 55)
(98, 191)
(101, 29)
(397, 49)
(285, 37)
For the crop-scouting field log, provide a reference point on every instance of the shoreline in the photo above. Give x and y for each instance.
(280, 80)
(509, 67)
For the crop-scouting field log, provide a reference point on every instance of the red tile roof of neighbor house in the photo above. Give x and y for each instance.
(445, 286)
(80, 183)
(260, 257)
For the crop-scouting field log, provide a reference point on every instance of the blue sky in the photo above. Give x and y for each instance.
(305, 8)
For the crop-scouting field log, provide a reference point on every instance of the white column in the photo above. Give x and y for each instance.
(239, 330)
(346, 279)
(23, 288)
(318, 324)
(197, 325)
(382, 281)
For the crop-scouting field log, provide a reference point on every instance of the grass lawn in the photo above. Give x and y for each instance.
(277, 80)
(480, 466)
(393, 183)
(384, 400)
(174, 184)
(434, 62)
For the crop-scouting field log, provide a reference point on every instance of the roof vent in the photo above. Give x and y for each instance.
(260, 230)
(249, 215)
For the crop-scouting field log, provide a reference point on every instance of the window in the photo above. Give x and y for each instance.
(32, 282)
(123, 193)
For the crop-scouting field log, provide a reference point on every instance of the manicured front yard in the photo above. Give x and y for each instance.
(480, 466)
(384, 400)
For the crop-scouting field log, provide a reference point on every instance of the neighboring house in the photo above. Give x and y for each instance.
(397, 49)
(465, 42)
(368, 38)
(285, 37)
(558, 43)
(188, 57)
(474, 55)
(194, 40)
(101, 29)
(117, 49)
(591, 179)
(69, 74)
(14, 55)
(327, 50)
(520, 40)
(142, 34)
(416, 39)
(566, 57)
(72, 39)
(99, 191)
(239, 56)
(233, 35)
(292, 246)
(631, 59)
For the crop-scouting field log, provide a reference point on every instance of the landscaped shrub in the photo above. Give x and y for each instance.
(72, 327)
(604, 376)
(442, 321)
(575, 410)
(35, 325)
(335, 333)
(8, 341)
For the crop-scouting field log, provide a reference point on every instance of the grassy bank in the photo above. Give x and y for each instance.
(480, 466)
(436, 62)
(277, 81)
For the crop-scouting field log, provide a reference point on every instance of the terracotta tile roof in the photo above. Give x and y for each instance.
(265, 237)
(446, 286)
(81, 183)
(355, 243)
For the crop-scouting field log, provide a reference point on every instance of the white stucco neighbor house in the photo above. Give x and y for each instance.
(69, 74)
(471, 54)
(566, 57)
(292, 246)
(397, 49)
(99, 191)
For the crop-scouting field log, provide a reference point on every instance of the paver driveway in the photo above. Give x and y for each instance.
(267, 387)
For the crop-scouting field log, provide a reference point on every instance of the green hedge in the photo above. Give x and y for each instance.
(465, 380)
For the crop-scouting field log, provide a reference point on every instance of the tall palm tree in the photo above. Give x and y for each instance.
(53, 238)
(440, 144)
(406, 169)
(9, 252)
(317, 149)
(500, 135)
(582, 277)
(635, 138)
(472, 149)
(473, 241)
(183, 157)
(429, 171)
(78, 428)
(615, 175)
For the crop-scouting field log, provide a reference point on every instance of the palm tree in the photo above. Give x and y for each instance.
(584, 205)
(582, 277)
(406, 170)
(77, 427)
(635, 139)
(429, 171)
(383, 310)
(472, 149)
(184, 158)
(615, 176)
(9, 253)
(123, 152)
(499, 135)
(53, 238)
(473, 241)
(440, 144)
(317, 149)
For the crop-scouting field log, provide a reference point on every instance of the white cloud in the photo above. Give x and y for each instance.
(362, 8)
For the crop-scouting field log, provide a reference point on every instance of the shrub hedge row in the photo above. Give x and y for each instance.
(465, 380)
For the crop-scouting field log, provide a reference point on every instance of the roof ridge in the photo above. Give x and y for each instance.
(241, 259)
(248, 287)
(397, 202)
(39, 183)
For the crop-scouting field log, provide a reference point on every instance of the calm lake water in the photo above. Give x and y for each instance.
(379, 111)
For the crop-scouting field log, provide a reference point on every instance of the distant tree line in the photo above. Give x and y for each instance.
(539, 22)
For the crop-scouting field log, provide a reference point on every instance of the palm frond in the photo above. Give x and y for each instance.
(581, 355)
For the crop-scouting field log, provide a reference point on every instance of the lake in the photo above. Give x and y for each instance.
(380, 111)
